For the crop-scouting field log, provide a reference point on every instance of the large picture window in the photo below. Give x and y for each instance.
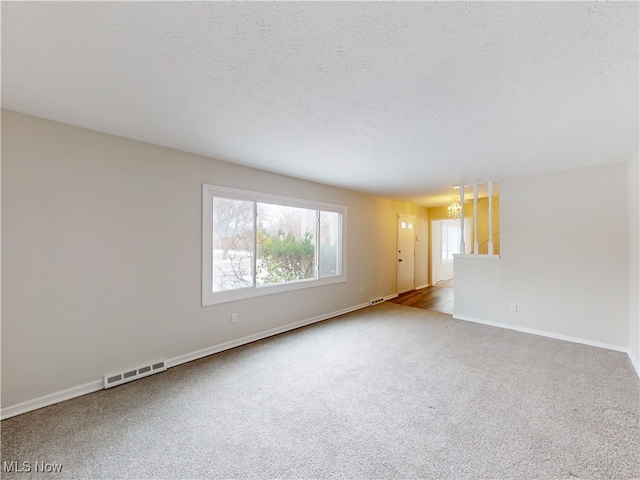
(256, 244)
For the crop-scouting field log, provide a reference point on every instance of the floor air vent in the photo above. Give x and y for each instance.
(134, 374)
(377, 301)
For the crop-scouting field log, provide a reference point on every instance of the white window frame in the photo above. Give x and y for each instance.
(209, 297)
(445, 227)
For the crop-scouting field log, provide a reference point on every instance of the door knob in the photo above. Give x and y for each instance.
(399, 259)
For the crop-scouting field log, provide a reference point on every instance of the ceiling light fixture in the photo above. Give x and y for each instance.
(454, 210)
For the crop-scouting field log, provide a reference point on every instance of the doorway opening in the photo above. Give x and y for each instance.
(445, 243)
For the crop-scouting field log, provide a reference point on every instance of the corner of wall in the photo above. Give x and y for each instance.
(634, 260)
(635, 361)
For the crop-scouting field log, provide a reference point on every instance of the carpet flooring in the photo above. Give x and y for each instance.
(385, 392)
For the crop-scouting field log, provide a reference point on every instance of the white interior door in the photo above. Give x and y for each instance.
(406, 252)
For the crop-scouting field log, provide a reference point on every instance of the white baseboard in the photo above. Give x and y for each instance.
(189, 357)
(50, 399)
(96, 385)
(422, 286)
(389, 297)
(543, 333)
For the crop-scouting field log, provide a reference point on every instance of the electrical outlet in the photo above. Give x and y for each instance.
(234, 317)
(361, 289)
(514, 307)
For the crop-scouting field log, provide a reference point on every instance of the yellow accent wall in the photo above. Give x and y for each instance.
(440, 213)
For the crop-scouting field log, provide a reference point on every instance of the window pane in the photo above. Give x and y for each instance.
(444, 240)
(450, 241)
(454, 241)
(233, 232)
(330, 239)
(286, 244)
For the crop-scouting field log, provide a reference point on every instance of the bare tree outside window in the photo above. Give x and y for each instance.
(233, 246)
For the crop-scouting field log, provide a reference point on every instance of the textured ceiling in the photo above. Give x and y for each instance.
(398, 99)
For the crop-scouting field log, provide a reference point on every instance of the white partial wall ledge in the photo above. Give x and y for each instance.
(478, 256)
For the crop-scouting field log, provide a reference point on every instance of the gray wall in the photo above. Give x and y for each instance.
(634, 261)
(565, 258)
(101, 260)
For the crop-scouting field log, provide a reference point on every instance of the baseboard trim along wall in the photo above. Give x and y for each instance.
(97, 385)
(57, 397)
(553, 335)
(189, 357)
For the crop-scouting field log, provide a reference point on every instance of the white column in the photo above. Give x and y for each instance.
(462, 249)
(490, 218)
(475, 219)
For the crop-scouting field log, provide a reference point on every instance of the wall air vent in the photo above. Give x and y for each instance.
(115, 379)
(377, 301)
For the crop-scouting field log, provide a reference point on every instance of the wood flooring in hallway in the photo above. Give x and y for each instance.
(436, 298)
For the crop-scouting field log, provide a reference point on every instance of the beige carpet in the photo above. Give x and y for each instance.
(385, 392)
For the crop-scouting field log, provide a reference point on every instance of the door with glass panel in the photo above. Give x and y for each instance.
(405, 253)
